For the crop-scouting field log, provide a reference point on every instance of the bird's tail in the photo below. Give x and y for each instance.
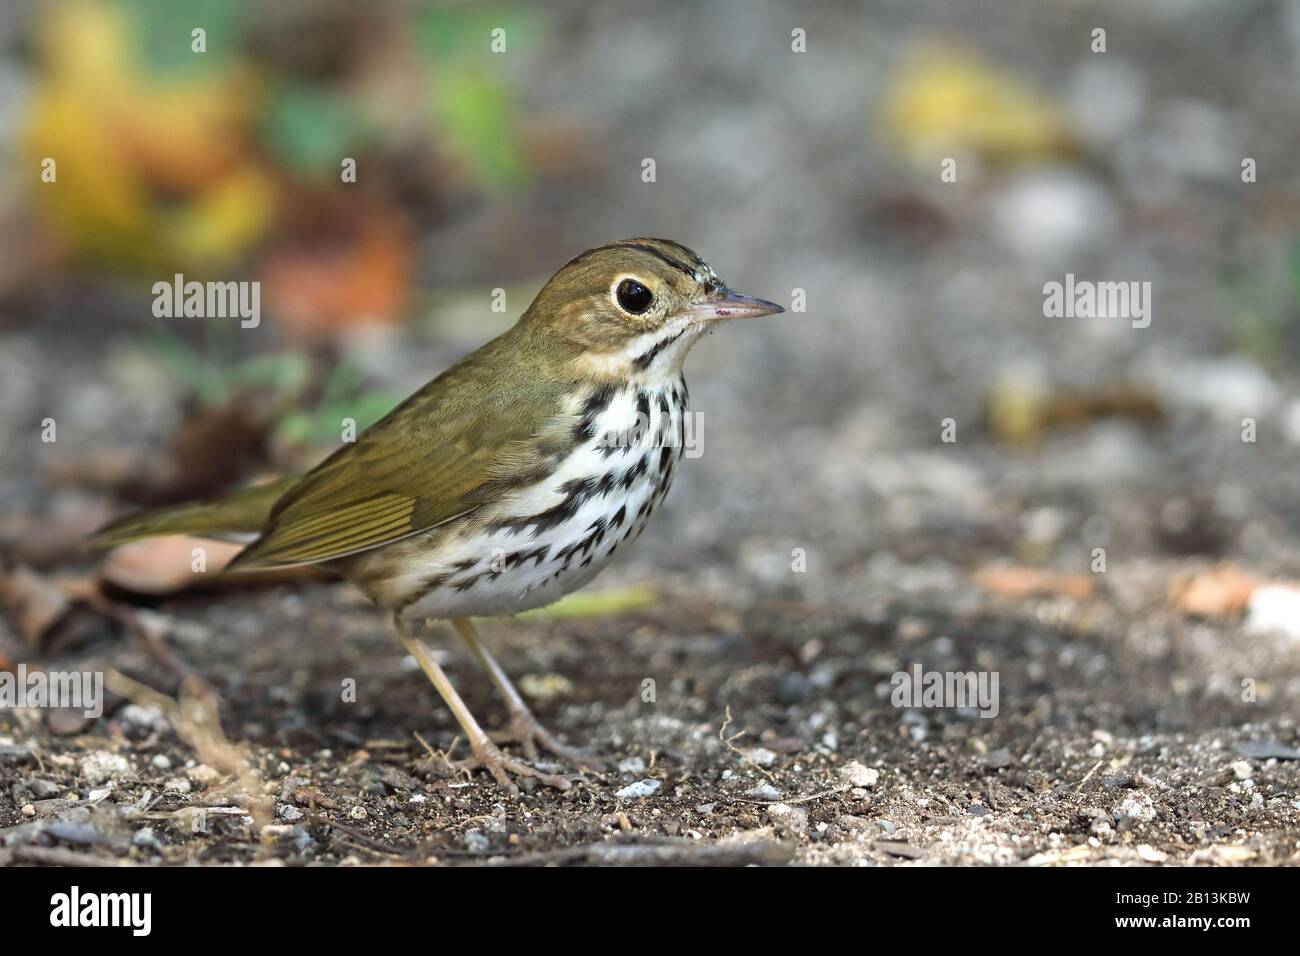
(239, 513)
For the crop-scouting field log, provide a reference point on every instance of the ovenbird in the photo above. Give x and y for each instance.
(509, 480)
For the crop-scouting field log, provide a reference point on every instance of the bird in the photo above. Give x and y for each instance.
(506, 482)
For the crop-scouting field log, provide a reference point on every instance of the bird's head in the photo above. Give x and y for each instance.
(636, 306)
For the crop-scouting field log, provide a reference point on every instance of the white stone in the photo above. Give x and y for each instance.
(857, 775)
(642, 788)
(100, 765)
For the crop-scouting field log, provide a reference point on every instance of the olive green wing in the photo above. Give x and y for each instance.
(453, 446)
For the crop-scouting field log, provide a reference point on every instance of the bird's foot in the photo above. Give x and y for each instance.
(527, 731)
(488, 756)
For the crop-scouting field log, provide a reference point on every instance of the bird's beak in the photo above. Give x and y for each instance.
(725, 304)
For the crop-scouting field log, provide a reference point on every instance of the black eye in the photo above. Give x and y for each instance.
(633, 296)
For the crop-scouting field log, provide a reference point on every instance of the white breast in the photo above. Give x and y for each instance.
(552, 538)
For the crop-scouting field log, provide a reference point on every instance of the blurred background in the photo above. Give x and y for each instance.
(817, 170)
(916, 465)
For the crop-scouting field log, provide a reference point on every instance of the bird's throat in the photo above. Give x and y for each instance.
(652, 359)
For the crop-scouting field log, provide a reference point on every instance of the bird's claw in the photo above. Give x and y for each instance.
(525, 730)
(489, 757)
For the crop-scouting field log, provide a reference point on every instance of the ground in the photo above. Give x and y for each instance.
(771, 738)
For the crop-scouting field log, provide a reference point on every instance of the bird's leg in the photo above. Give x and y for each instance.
(524, 727)
(486, 754)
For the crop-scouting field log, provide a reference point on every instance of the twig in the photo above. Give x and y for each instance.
(727, 741)
(805, 799)
(360, 841)
(1088, 776)
(196, 716)
(58, 856)
(445, 756)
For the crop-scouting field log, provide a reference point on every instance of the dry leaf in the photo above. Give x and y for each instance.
(174, 563)
(34, 604)
(167, 564)
(1024, 582)
(1022, 411)
(1222, 591)
(50, 615)
(321, 288)
(213, 449)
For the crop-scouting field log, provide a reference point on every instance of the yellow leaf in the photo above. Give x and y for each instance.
(225, 219)
(944, 101)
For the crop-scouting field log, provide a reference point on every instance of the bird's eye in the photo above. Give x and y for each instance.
(633, 296)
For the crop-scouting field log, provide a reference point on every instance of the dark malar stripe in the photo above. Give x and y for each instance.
(642, 361)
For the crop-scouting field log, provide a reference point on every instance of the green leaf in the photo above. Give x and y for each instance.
(162, 33)
(310, 130)
(459, 33)
(475, 112)
(283, 372)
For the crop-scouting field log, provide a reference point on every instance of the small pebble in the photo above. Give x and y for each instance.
(1138, 806)
(44, 789)
(147, 718)
(642, 788)
(998, 759)
(792, 818)
(202, 774)
(765, 791)
(857, 775)
(631, 765)
(545, 686)
(98, 766)
(793, 689)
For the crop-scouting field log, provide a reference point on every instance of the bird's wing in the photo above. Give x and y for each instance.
(456, 444)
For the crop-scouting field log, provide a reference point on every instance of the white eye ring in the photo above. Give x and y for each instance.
(632, 295)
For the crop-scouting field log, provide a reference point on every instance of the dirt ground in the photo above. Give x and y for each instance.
(1106, 749)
